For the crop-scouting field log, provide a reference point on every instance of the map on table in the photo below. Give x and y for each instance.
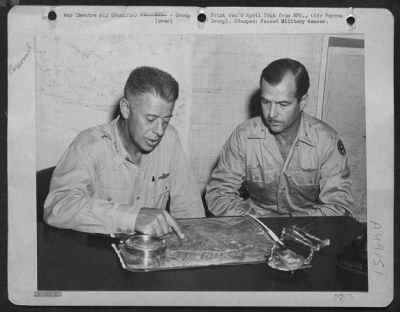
(207, 242)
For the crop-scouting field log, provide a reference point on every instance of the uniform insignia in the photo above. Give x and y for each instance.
(105, 136)
(341, 148)
(163, 176)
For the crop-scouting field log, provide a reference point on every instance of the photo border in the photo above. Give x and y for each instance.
(373, 56)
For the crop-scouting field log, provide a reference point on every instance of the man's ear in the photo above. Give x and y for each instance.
(303, 101)
(124, 108)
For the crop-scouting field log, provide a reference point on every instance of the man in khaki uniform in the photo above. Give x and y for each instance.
(118, 177)
(291, 164)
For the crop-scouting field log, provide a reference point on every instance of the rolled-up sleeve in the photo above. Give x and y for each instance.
(71, 203)
(223, 188)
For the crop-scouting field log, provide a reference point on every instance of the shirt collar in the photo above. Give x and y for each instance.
(122, 155)
(304, 131)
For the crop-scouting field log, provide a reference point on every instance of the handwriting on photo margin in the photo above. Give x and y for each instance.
(343, 297)
(13, 68)
(378, 247)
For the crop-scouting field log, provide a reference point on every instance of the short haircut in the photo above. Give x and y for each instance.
(147, 79)
(276, 71)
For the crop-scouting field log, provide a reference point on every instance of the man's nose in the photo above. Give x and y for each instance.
(272, 110)
(158, 127)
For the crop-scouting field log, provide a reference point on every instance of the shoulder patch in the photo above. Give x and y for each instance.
(341, 148)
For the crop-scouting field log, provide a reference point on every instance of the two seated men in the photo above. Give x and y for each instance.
(118, 177)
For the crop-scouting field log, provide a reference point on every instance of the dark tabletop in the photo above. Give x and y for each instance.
(67, 260)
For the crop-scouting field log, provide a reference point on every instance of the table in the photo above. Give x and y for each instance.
(67, 261)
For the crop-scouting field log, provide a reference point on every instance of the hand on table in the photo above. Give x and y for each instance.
(156, 222)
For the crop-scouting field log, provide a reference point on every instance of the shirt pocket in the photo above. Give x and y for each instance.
(303, 186)
(261, 184)
(116, 195)
(158, 193)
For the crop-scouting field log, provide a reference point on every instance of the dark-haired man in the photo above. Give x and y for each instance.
(118, 177)
(290, 164)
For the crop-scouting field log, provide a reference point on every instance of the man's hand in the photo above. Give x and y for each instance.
(156, 222)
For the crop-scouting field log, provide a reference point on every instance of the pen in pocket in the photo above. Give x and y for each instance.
(154, 185)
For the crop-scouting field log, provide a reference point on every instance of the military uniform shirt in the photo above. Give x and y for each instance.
(314, 180)
(96, 188)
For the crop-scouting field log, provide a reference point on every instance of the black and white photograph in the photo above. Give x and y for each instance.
(200, 157)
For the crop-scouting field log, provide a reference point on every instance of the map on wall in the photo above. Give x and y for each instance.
(80, 80)
(207, 242)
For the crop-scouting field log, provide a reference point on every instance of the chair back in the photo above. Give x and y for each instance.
(43, 178)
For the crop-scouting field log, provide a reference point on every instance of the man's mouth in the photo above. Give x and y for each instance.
(273, 122)
(152, 142)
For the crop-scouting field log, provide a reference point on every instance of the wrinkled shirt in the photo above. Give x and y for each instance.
(314, 180)
(95, 188)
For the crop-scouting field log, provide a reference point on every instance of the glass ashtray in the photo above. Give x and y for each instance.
(284, 259)
(145, 243)
(144, 251)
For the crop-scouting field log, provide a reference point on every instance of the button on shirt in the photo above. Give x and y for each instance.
(96, 188)
(314, 180)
